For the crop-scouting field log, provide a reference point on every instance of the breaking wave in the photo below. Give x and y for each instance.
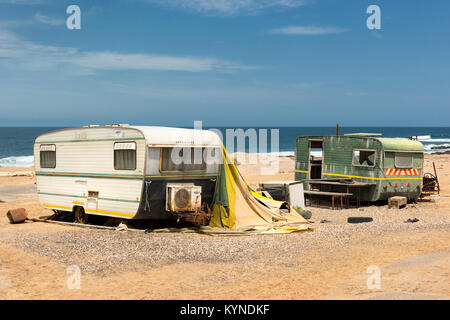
(23, 161)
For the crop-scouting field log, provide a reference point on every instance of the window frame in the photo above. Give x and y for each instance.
(40, 155)
(402, 167)
(362, 165)
(178, 171)
(135, 154)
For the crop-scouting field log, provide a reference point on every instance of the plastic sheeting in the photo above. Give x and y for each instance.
(237, 206)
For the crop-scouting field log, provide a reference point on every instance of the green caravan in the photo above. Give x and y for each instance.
(393, 166)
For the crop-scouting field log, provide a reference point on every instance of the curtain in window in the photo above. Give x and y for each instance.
(48, 159)
(125, 159)
(403, 160)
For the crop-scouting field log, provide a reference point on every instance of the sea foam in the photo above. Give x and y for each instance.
(22, 161)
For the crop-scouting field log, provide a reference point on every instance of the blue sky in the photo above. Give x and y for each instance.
(226, 62)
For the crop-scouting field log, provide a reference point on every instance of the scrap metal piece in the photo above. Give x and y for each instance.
(430, 183)
(17, 215)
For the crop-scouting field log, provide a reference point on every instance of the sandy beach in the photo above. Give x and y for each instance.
(330, 262)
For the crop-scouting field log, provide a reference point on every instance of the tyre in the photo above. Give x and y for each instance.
(81, 216)
(359, 219)
(306, 214)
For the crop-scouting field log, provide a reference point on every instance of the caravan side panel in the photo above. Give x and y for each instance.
(84, 174)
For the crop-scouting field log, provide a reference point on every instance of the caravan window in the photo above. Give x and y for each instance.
(364, 158)
(47, 156)
(403, 160)
(125, 156)
(182, 160)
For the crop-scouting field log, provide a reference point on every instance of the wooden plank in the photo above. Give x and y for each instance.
(323, 193)
(334, 183)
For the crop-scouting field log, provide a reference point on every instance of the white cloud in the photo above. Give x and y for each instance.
(13, 47)
(23, 2)
(308, 30)
(48, 20)
(228, 7)
(21, 53)
(120, 61)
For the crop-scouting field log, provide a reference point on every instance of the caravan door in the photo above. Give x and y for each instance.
(315, 159)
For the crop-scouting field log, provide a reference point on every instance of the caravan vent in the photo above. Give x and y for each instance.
(92, 194)
(125, 146)
(47, 147)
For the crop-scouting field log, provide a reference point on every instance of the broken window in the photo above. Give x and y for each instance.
(403, 160)
(47, 156)
(364, 158)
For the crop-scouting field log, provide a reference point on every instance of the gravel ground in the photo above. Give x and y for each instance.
(98, 251)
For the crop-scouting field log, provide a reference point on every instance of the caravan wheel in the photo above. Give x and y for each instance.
(81, 216)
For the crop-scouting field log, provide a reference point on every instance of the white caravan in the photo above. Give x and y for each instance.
(127, 171)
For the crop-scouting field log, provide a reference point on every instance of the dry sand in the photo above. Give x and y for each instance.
(330, 262)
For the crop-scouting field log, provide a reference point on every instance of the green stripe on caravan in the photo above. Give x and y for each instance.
(118, 176)
(195, 176)
(89, 175)
(85, 197)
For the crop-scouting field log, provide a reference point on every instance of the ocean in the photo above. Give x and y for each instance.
(16, 143)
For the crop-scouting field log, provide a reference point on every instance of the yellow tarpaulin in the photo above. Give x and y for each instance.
(237, 206)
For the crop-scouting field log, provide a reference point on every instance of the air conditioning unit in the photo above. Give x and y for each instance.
(183, 197)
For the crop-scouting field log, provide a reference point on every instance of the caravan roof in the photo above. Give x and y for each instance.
(154, 136)
(400, 144)
(161, 136)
